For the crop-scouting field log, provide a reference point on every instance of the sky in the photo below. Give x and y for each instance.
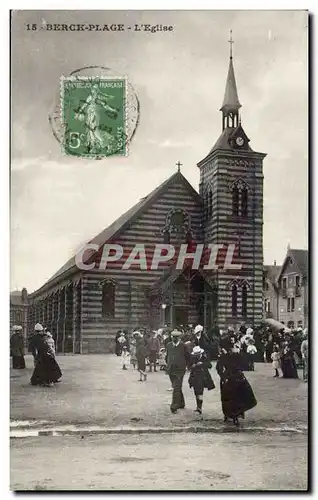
(58, 203)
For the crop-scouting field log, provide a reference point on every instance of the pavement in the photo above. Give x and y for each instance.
(102, 429)
(175, 462)
(94, 390)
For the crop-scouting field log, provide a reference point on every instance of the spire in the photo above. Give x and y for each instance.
(231, 103)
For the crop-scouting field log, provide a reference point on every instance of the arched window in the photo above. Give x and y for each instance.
(188, 238)
(206, 205)
(108, 299)
(166, 238)
(210, 204)
(244, 204)
(235, 201)
(234, 301)
(244, 301)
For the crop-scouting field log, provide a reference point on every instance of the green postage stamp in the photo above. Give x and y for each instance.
(93, 116)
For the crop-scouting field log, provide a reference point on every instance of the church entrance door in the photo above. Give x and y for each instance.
(181, 316)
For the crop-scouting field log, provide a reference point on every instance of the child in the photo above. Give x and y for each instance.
(124, 350)
(251, 351)
(275, 360)
(50, 342)
(133, 358)
(162, 359)
(200, 377)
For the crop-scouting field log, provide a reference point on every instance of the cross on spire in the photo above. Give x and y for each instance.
(179, 165)
(231, 41)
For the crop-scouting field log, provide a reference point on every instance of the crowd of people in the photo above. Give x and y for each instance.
(185, 349)
(190, 348)
(46, 369)
(286, 349)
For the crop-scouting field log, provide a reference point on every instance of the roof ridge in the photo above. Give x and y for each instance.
(118, 224)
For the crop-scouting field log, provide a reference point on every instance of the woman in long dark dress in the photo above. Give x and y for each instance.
(141, 354)
(236, 393)
(288, 364)
(17, 348)
(46, 371)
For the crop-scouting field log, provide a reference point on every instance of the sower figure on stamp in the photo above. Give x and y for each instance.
(96, 138)
(177, 362)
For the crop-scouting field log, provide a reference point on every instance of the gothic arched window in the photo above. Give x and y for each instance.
(234, 301)
(206, 205)
(189, 238)
(108, 299)
(166, 238)
(244, 301)
(235, 201)
(210, 204)
(244, 202)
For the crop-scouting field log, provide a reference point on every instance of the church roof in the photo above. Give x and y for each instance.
(223, 141)
(231, 101)
(119, 224)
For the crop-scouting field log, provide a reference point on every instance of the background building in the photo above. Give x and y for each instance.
(19, 304)
(286, 289)
(270, 290)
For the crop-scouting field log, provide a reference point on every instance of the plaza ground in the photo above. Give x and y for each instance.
(95, 390)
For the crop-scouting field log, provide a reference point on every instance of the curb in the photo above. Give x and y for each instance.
(23, 433)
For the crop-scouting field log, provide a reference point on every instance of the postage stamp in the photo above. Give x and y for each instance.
(93, 116)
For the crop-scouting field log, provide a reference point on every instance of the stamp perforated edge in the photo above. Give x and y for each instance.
(64, 78)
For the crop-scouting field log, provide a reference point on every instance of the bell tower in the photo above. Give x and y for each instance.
(231, 186)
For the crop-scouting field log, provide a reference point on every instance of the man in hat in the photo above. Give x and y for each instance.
(17, 347)
(200, 339)
(177, 362)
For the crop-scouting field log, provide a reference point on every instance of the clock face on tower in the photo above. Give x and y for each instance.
(239, 141)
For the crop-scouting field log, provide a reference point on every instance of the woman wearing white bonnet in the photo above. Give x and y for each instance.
(46, 371)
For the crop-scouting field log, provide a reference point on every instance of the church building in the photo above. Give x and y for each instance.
(84, 309)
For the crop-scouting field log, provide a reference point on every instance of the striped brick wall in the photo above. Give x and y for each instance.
(218, 173)
(132, 304)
